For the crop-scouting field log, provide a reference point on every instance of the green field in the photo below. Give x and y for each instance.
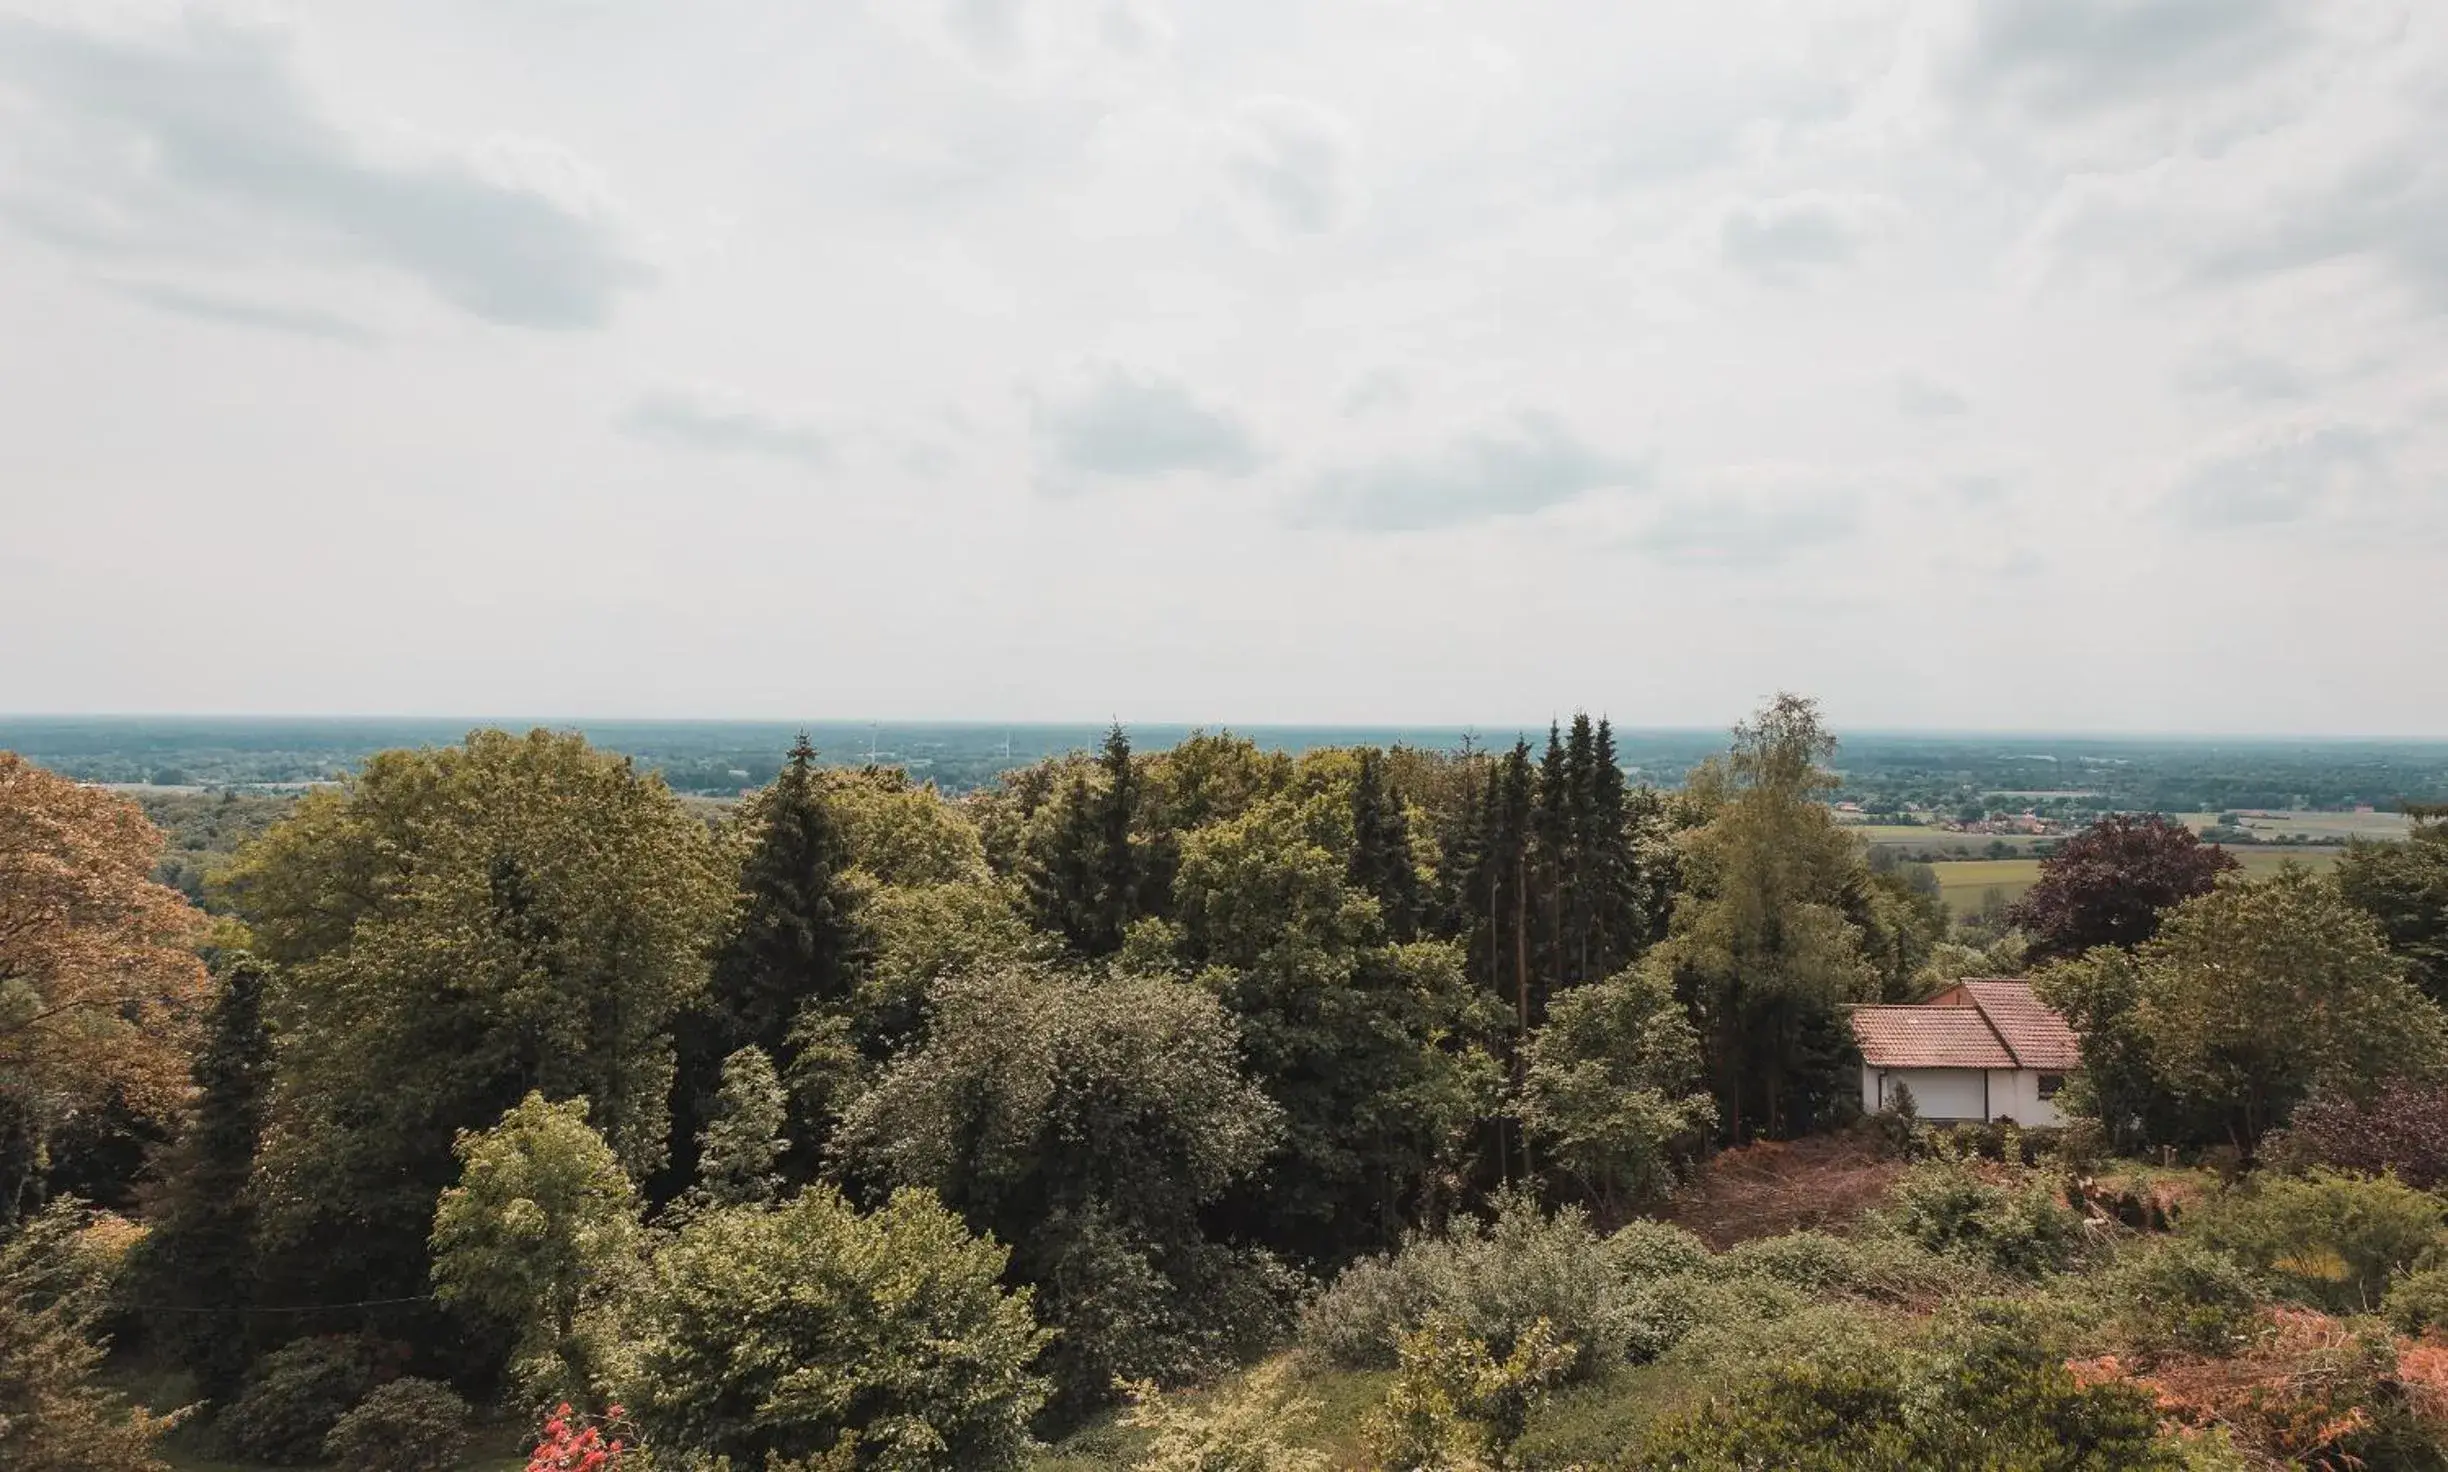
(1965, 881)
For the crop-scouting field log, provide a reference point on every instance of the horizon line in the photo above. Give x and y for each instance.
(568, 722)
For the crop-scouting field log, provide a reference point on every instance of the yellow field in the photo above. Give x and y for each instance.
(1963, 882)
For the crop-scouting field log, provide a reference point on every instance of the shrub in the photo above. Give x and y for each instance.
(2328, 1239)
(2182, 1296)
(54, 1417)
(1493, 1282)
(2417, 1303)
(1455, 1404)
(2404, 1130)
(1643, 1250)
(1987, 1400)
(408, 1425)
(1947, 1208)
(807, 1328)
(296, 1394)
(1883, 1269)
(1246, 1428)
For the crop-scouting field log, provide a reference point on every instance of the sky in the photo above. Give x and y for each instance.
(2029, 364)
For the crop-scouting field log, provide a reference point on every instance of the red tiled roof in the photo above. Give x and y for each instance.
(2004, 1026)
(2038, 1037)
(1928, 1037)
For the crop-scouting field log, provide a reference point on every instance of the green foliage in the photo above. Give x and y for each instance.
(743, 1141)
(809, 1329)
(457, 928)
(903, 836)
(1353, 1036)
(2329, 1239)
(2404, 888)
(1492, 1283)
(1988, 1401)
(1763, 945)
(785, 965)
(197, 1263)
(2181, 1296)
(1642, 1250)
(1609, 1090)
(1083, 871)
(1458, 1407)
(408, 1425)
(2254, 994)
(296, 1395)
(542, 1219)
(913, 938)
(1085, 1119)
(54, 1414)
(2417, 1302)
(1248, 1426)
(1948, 1208)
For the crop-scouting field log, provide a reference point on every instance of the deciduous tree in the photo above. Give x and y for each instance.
(2109, 884)
(100, 985)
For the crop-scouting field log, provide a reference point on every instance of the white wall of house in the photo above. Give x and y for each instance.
(1964, 1093)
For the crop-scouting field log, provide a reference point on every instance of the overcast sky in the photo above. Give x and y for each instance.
(2061, 364)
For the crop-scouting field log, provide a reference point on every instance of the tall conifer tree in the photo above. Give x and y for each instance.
(1381, 861)
(198, 1261)
(790, 947)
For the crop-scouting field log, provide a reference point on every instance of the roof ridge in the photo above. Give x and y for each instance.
(1982, 1009)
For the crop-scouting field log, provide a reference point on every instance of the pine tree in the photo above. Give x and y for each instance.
(1118, 867)
(744, 1140)
(1084, 879)
(1062, 874)
(198, 1261)
(1381, 861)
(789, 950)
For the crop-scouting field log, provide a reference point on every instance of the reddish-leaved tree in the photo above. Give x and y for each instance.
(2111, 882)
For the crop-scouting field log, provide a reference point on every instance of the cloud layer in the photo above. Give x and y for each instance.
(1265, 360)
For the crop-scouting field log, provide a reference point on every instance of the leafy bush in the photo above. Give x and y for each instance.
(1883, 1269)
(1643, 1250)
(1247, 1428)
(1947, 1208)
(408, 1425)
(809, 1329)
(2328, 1239)
(296, 1394)
(2417, 1303)
(53, 1416)
(2404, 1130)
(1492, 1283)
(2182, 1296)
(1456, 1405)
(1989, 1400)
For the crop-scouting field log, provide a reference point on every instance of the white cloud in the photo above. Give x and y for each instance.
(724, 424)
(198, 140)
(1818, 308)
(1521, 469)
(1126, 425)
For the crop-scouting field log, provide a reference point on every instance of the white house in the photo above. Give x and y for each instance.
(1980, 1050)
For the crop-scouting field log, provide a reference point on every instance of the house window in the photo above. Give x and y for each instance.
(2050, 1083)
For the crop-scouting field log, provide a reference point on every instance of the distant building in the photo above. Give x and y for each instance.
(1981, 1050)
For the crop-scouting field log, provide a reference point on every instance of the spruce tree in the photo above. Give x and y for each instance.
(1118, 867)
(1063, 870)
(744, 1140)
(1084, 879)
(1381, 861)
(198, 1261)
(790, 947)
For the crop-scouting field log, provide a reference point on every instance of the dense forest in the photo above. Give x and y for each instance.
(1204, 1108)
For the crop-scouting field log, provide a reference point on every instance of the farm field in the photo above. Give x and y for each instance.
(2339, 826)
(1963, 882)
